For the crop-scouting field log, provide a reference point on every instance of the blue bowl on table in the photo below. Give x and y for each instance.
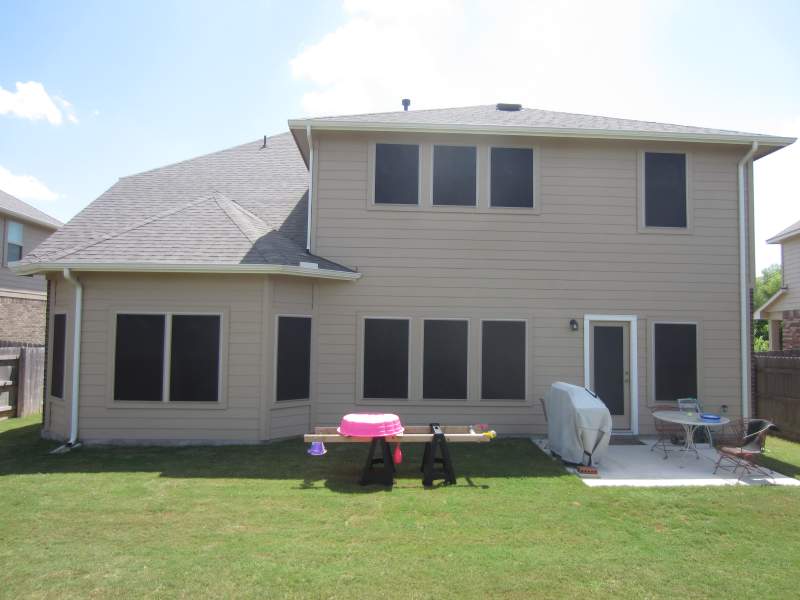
(710, 417)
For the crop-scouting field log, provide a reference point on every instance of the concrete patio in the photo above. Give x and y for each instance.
(637, 466)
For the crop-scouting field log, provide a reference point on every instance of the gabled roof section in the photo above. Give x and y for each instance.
(786, 234)
(14, 207)
(488, 119)
(760, 313)
(239, 209)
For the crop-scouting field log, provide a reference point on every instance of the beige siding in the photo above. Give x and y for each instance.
(791, 279)
(33, 235)
(57, 410)
(582, 254)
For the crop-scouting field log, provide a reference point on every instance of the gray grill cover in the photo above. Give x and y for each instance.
(575, 420)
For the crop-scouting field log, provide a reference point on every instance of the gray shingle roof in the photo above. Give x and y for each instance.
(17, 208)
(241, 206)
(790, 231)
(533, 118)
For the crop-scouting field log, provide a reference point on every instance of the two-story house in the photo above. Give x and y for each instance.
(22, 299)
(447, 265)
(783, 309)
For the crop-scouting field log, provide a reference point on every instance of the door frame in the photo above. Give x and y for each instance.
(634, 360)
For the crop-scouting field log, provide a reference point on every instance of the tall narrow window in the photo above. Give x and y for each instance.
(139, 357)
(59, 355)
(194, 358)
(444, 371)
(386, 358)
(511, 177)
(396, 174)
(503, 360)
(293, 362)
(454, 175)
(15, 233)
(665, 190)
(675, 358)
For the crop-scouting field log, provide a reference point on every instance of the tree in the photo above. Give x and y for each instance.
(767, 285)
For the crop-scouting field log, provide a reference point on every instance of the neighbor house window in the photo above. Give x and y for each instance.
(293, 362)
(444, 371)
(183, 348)
(664, 190)
(511, 177)
(454, 175)
(59, 355)
(386, 358)
(15, 232)
(503, 360)
(396, 174)
(675, 361)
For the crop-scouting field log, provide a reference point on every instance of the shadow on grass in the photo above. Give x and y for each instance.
(22, 451)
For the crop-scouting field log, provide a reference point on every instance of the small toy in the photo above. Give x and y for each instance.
(398, 455)
(317, 449)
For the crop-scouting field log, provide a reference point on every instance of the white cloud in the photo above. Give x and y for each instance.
(31, 101)
(618, 58)
(25, 187)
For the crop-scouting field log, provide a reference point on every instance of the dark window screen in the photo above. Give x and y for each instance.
(676, 361)
(294, 358)
(14, 253)
(194, 358)
(445, 360)
(57, 370)
(385, 358)
(665, 189)
(503, 360)
(396, 174)
(512, 177)
(454, 175)
(139, 358)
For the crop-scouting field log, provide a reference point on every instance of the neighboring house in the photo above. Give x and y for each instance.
(783, 309)
(22, 299)
(453, 265)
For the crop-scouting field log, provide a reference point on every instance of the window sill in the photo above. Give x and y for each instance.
(665, 230)
(279, 404)
(167, 405)
(376, 402)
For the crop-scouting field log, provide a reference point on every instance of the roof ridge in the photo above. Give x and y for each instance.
(248, 223)
(108, 236)
(392, 112)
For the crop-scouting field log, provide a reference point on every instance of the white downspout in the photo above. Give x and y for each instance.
(744, 254)
(310, 185)
(76, 362)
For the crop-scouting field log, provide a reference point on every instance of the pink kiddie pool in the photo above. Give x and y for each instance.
(370, 425)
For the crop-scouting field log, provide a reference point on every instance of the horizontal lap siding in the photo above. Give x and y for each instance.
(239, 297)
(791, 278)
(582, 254)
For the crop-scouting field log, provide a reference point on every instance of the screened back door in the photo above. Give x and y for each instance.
(609, 347)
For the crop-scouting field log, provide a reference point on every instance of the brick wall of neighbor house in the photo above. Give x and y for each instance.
(22, 320)
(791, 329)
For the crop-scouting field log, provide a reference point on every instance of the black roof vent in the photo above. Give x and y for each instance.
(406, 103)
(508, 107)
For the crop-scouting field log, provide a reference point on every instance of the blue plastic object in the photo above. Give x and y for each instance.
(710, 417)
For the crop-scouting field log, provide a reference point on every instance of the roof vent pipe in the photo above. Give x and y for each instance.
(406, 103)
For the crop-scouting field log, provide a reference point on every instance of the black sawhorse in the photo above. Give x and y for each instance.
(430, 459)
(384, 474)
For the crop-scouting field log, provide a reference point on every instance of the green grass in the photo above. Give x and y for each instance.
(270, 521)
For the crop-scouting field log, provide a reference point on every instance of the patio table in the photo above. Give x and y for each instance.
(690, 422)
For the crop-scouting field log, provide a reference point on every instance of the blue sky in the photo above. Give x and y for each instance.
(120, 87)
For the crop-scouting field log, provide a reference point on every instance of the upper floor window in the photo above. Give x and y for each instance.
(454, 175)
(14, 237)
(665, 190)
(511, 177)
(396, 174)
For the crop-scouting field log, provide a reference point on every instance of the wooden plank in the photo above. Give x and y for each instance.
(413, 434)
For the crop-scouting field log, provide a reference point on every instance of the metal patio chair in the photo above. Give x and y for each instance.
(751, 438)
(668, 434)
(693, 405)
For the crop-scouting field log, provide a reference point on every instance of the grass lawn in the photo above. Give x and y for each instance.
(270, 521)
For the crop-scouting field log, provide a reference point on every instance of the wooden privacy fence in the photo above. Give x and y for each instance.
(21, 379)
(777, 390)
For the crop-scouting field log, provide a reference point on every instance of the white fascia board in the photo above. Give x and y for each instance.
(33, 268)
(323, 125)
(779, 239)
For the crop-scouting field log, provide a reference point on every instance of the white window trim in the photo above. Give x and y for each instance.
(526, 362)
(361, 354)
(50, 345)
(293, 401)
(537, 204)
(467, 207)
(422, 354)
(698, 331)
(641, 201)
(371, 165)
(165, 402)
(634, 360)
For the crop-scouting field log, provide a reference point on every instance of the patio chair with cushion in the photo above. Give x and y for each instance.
(750, 438)
(669, 434)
